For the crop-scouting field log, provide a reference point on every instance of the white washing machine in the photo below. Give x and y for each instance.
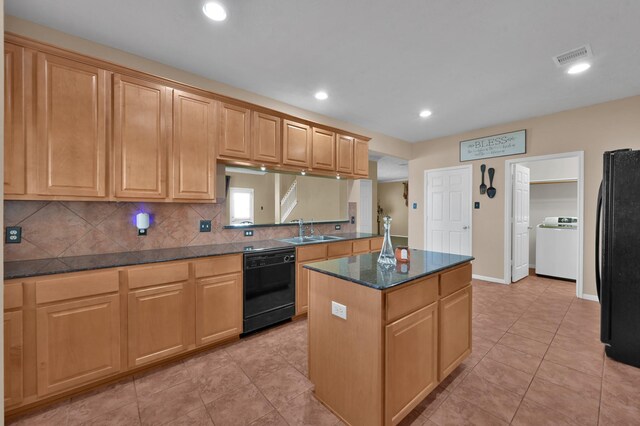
(557, 247)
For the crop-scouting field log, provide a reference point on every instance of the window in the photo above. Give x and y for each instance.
(241, 207)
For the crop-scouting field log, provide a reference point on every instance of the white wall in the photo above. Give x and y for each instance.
(553, 170)
(553, 199)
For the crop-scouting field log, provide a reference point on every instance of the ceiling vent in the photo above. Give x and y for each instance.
(574, 55)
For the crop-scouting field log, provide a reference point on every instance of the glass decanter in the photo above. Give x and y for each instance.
(387, 258)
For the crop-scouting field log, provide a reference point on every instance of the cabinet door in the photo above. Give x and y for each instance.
(218, 308)
(14, 131)
(158, 323)
(13, 350)
(266, 138)
(361, 158)
(344, 162)
(302, 289)
(140, 137)
(411, 361)
(193, 155)
(77, 342)
(71, 128)
(324, 149)
(296, 144)
(235, 132)
(455, 330)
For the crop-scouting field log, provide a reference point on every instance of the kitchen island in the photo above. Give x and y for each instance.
(381, 340)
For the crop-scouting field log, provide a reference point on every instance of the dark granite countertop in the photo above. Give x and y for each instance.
(61, 265)
(364, 269)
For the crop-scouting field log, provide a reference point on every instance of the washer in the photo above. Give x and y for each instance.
(557, 247)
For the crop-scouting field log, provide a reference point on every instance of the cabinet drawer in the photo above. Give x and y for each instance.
(158, 274)
(12, 295)
(376, 244)
(361, 246)
(218, 266)
(408, 299)
(314, 252)
(77, 285)
(453, 280)
(341, 249)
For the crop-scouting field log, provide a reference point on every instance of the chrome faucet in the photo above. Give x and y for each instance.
(311, 231)
(301, 226)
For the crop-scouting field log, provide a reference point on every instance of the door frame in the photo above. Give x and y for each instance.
(468, 167)
(508, 197)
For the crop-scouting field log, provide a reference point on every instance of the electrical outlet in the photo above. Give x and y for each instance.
(414, 205)
(13, 235)
(205, 226)
(142, 232)
(248, 233)
(353, 220)
(339, 310)
(338, 227)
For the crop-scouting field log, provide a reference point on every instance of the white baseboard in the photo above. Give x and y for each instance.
(532, 266)
(591, 297)
(490, 279)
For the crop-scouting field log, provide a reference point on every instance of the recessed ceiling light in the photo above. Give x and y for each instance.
(425, 113)
(214, 11)
(578, 68)
(321, 96)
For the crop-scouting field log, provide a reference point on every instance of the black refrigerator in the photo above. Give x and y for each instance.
(618, 255)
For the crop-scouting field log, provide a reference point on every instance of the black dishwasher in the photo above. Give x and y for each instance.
(269, 288)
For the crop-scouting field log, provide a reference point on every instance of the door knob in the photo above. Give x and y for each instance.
(465, 227)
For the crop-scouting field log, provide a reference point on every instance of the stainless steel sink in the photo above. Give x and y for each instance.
(306, 239)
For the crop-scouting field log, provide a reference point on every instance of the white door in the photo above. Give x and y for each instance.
(366, 206)
(520, 221)
(448, 218)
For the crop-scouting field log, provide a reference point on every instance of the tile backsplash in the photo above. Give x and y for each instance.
(76, 228)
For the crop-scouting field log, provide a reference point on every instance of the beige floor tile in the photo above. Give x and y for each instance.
(523, 344)
(102, 400)
(160, 379)
(306, 410)
(272, 419)
(536, 334)
(493, 399)
(220, 381)
(532, 414)
(504, 376)
(283, 385)
(169, 404)
(239, 407)
(123, 416)
(513, 358)
(581, 383)
(199, 417)
(560, 399)
(458, 411)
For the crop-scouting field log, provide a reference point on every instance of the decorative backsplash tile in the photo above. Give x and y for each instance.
(76, 228)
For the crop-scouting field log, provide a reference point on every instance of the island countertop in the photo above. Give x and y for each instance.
(364, 269)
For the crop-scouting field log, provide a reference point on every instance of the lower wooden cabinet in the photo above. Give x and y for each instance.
(302, 288)
(78, 342)
(411, 361)
(455, 330)
(218, 308)
(158, 325)
(13, 352)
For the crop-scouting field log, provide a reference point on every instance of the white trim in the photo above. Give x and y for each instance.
(591, 297)
(507, 212)
(532, 266)
(468, 167)
(489, 279)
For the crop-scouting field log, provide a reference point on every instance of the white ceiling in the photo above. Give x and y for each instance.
(474, 63)
(391, 169)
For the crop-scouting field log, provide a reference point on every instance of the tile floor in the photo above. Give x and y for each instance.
(537, 360)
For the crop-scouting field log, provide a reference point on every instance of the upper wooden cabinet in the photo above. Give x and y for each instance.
(14, 130)
(142, 110)
(193, 156)
(71, 139)
(344, 154)
(296, 144)
(266, 138)
(323, 149)
(235, 132)
(361, 158)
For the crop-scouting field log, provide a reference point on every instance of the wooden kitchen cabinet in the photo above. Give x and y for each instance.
(323, 155)
(266, 138)
(141, 136)
(13, 344)
(344, 154)
(234, 140)
(455, 330)
(218, 308)
(296, 144)
(304, 255)
(193, 156)
(14, 120)
(72, 113)
(361, 158)
(411, 361)
(159, 312)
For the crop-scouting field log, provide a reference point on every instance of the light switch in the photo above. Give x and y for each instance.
(339, 310)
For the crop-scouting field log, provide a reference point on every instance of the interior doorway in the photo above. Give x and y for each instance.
(537, 188)
(448, 210)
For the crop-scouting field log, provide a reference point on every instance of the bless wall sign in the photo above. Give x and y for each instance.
(494, 146)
